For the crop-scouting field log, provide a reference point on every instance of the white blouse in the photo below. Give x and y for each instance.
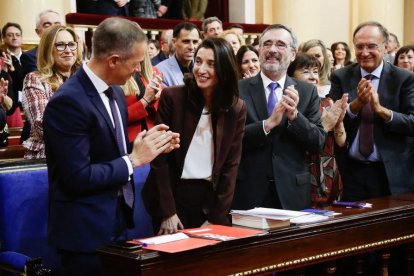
(198, 163)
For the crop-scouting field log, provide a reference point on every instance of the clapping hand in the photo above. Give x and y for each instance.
(335, 113)
(8, 61)
(149, 144)
(290, 101)
(3, 89)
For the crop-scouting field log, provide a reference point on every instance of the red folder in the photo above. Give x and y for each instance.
(203, 236)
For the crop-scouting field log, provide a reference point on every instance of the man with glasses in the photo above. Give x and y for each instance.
(12, 35)
(379, 121)
(283, 123)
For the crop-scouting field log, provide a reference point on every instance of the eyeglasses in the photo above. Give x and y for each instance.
(279, 44)
(61, 46)
(370, 47)
(13, 35)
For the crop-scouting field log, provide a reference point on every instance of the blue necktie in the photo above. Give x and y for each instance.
(272, 100)
(366, 128)
(127, 190)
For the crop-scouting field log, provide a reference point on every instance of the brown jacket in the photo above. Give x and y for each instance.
(181, 111)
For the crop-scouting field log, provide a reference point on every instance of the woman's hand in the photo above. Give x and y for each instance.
(170, 225)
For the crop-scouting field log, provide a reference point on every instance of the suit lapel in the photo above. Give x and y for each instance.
(218, 129)
(175, 68)
(96, 99)
(258, 96)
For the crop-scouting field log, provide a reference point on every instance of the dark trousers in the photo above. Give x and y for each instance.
(364, 180)
(192, 197)
(271, 199)
(88, 263)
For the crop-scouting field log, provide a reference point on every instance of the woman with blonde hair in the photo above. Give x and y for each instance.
(142, 92)
(317, 49)
(59, 56)
(235, 40)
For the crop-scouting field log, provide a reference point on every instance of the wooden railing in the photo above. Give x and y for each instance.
(84, 24)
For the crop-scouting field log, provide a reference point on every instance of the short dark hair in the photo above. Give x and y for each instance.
(238, 26)
(10, 24)
(184, 25)
(239, 56)
(381, 28)
(155, 42)
(403, 50)
(227, 92)
(303, 60)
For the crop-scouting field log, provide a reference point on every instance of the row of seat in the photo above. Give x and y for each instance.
(24, 213)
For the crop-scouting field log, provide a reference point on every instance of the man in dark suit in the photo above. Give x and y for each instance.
(274, 168)
(87, 151)
(379, 122)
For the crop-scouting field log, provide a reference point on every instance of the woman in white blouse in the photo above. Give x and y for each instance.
(194, 185)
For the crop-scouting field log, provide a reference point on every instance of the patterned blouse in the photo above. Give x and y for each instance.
(36, 95)
(326, 182)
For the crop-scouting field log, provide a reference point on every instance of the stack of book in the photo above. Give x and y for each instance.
(268, 218)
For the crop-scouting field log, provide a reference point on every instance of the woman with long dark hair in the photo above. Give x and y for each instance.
(194, 185)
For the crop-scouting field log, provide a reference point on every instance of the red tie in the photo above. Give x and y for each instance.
(366, 128)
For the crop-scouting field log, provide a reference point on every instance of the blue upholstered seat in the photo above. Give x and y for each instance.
(24, 211)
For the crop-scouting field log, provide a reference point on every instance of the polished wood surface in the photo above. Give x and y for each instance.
(389, 223)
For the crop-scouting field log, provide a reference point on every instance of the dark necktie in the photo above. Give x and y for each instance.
(272, 100)
(127, 190)
(366, 128)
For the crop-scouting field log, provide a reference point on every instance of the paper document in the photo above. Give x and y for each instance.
(310, 218)
(164, 238)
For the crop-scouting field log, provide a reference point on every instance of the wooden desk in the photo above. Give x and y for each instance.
(390, 222)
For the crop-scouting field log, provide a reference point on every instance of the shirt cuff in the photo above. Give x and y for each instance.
(349, 112)
(264, 130)
(129, 164)
(391, 117)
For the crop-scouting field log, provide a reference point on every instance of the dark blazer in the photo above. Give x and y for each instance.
(29, 61)
(158, 58)
(394, 140)
(280, 155)
(181, 111)
(85, 167)
(109, 7)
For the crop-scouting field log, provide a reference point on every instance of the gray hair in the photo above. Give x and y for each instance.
(294, 43)
(380, 27)
(116, 35)
(43, 13)
(210, 20)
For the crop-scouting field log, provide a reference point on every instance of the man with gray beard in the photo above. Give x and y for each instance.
(283, 123)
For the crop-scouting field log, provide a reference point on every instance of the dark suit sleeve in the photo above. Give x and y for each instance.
(335, 92)
(28, 62)
(157, 192)
(307, 127)
(403, 116)
(79, 148)
(228, 172)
